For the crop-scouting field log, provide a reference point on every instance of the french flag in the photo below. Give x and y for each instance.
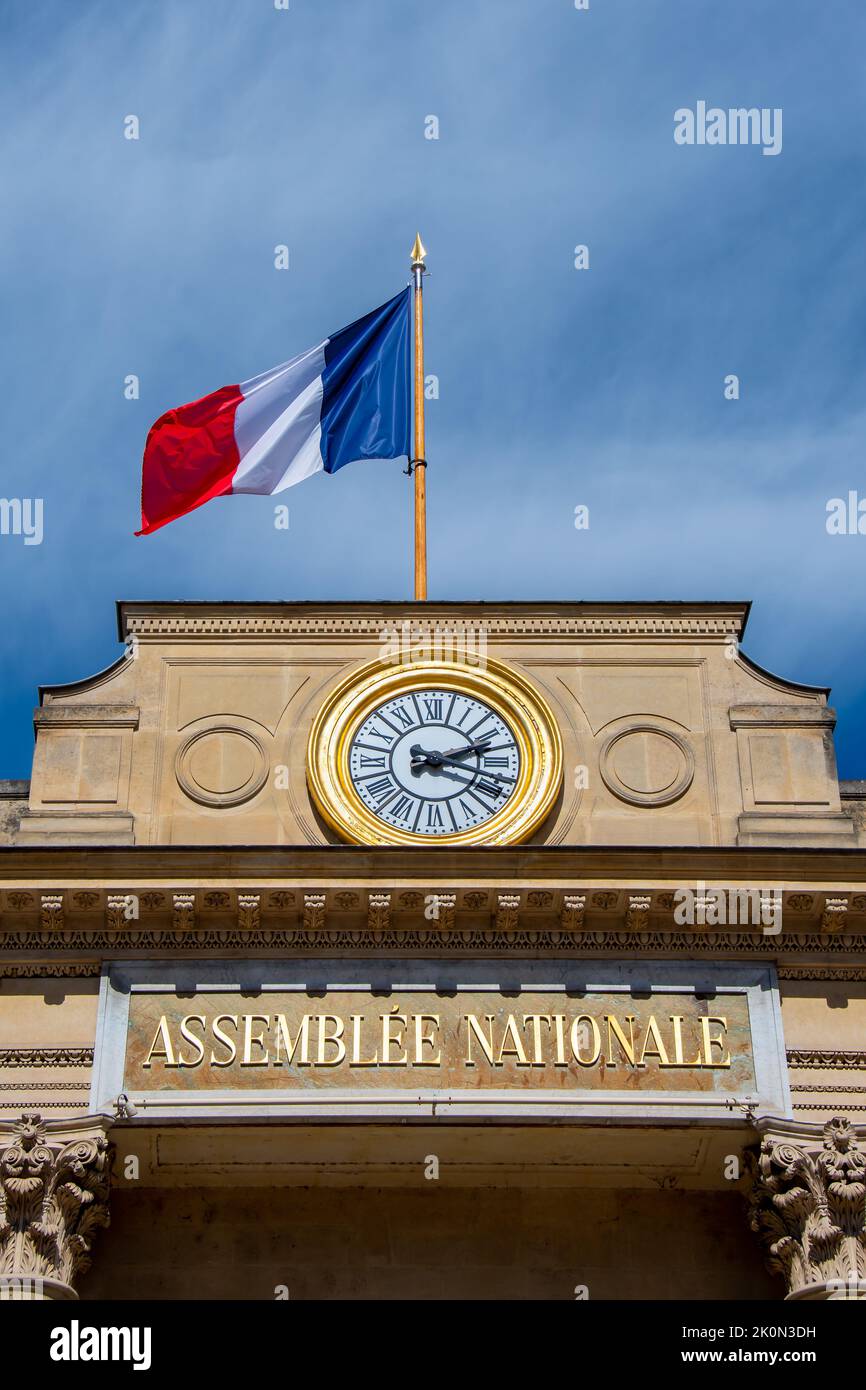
(345, 400)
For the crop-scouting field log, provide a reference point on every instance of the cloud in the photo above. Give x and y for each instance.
(557, 387)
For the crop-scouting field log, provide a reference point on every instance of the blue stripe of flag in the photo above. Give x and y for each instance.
(365, 382)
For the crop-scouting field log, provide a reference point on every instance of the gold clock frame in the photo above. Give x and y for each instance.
(507, 691)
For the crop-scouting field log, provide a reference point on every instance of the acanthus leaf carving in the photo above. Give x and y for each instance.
(183, 911)
(53, 1197)
(808, 1206)
(379, 911)
(314, 911)
(249, 911)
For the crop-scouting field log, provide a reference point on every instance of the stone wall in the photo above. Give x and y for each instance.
(432, 1243)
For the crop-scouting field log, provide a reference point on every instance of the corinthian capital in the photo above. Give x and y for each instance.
(54, 1179)
(808, 1206)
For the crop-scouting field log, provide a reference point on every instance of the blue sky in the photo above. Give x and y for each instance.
(558, 387)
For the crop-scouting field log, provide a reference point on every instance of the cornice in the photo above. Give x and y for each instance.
(284, 865)
(365, 620)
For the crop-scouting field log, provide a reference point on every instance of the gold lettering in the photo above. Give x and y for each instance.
(515, 1051)
(677, 1021)
(725, 1061)
(284, 1039)
(258, 1040)
(627, 1047)
(596, 1040)
(191, 1038)
(559, 1023)
(165, 1051)
(536, 1020)
(335, 1038)
(486, 1044)
(226, 1041)
(652, 1031)
(357, 1021)
(421, 1038)
(388, 1041)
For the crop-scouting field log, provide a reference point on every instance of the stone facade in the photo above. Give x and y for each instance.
(168, 820)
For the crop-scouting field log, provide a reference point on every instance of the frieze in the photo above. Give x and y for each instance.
(53, 969)
(431, 937)
(29, 1086)
(47, 1104)
(821, 1105)
(838, 916)
(46, 1056)
(819, 1089)
(820, 1057)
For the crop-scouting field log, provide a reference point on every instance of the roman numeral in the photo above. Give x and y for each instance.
(433, 709)
(489, 788)
(434, 815)
(401, 808)
(494, 762)
(367, 761)
(469, 811)
(377, 733)
(483, 720)
(383, 786)
(405, 719)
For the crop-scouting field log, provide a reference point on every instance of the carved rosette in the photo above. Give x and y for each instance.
(808, 1207)
(54, 1183)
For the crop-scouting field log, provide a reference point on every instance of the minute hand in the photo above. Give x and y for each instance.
(469, 771)
(480, 746)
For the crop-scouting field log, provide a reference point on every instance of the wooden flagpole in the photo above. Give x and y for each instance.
(419, 462)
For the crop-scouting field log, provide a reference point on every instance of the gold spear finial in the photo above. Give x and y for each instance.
(418, 252)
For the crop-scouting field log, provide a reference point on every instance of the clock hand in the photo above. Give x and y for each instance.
(470, 772)
(421, 754)
(479, 746)
(477, 771)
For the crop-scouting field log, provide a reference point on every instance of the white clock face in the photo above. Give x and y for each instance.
(434, 762)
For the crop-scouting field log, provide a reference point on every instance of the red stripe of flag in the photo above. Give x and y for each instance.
(190, 456)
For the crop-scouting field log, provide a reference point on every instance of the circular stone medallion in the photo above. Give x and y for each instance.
(646, 765)
(221, 766)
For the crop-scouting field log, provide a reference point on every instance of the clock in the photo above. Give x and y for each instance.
(434, 752)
